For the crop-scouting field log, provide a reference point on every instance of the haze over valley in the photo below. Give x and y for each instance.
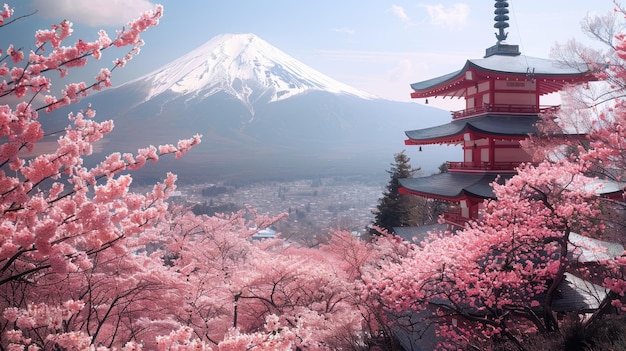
(268, 122)
(263, 116)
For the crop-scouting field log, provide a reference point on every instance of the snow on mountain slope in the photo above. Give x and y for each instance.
(244, 66)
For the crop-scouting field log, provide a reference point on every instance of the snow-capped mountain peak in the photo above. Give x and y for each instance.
(244, 66)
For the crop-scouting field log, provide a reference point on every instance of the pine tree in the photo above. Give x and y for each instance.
(394, 209)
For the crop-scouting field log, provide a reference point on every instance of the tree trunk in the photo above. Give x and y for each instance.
(550, 322)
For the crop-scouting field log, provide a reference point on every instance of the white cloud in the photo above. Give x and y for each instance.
(399, 12)
(345, 30)
(403, 69)
(93, 12)
(389, 73)
(454, 16)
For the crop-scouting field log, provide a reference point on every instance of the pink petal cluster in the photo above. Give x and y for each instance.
(7, 12)
(87, 263)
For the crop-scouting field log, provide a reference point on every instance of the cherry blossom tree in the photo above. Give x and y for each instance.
(597, 110)
(87, 264)
(498, 279)
(357, 259)
(492, 278)
(233, 291)
(66, 231)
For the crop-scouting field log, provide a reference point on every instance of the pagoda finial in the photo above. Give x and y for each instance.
(501, 19)
(502, 16)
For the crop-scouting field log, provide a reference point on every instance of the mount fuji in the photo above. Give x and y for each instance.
(246, 67)
(262, 114)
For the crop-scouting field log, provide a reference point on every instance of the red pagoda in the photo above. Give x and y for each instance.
(502, 93)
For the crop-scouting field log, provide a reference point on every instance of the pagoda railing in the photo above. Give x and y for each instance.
(455, 217)
(502, 108)
(482, 166)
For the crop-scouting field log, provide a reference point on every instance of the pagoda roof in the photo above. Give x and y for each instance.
(551, 75)
(453, 186)
(508, 125)
(584, 249)
(420, 233)
(576, 295)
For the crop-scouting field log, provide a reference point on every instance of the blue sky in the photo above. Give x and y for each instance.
(378, 46)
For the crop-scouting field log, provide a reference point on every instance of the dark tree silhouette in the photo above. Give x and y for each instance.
(394, 209)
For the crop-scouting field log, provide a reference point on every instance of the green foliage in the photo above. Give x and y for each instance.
(395, 209)
(443, 168)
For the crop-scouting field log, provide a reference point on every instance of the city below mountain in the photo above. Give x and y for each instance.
(262, 114)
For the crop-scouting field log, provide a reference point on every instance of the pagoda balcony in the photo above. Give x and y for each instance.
(454, 217)
(482, 166)
(497, 108)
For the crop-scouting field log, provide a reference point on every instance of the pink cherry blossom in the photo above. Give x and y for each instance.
(87, 262)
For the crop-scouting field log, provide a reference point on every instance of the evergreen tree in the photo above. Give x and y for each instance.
(443, 168)
(394, 209)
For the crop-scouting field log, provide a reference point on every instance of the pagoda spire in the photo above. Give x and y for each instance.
(501, 18)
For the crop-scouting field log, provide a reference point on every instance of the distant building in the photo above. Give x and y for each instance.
(267, 233)
(176, 193)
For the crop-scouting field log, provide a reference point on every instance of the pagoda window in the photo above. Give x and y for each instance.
(464, 209)
(481, 208)
(486, 99)
(484, 86)
(484, 155)
(467, 155)
(481, 150)
(473, 210)
(469, 103)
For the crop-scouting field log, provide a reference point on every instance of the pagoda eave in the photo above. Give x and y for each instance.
(494, 126)
(405, 191)
(441, 141)
(550, 78)
(459, 139)
(458, 88)
(453, 186)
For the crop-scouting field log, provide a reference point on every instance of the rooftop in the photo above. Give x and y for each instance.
(488, 124)
(552, 75)
(503, 61)
(453, 186)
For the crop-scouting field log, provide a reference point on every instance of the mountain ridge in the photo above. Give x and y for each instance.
(319, 127)
(244, 66)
